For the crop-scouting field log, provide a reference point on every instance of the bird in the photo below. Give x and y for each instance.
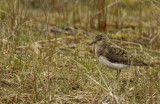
(113, 56)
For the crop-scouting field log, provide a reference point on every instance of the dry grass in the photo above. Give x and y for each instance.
(44, 56)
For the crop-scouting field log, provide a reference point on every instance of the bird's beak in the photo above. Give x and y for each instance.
(92, 42)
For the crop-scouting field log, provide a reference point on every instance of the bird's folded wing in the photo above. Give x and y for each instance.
(118, 55)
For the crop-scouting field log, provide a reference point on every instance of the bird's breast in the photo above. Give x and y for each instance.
(98, 50)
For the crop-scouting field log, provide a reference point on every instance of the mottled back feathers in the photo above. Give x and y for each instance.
(115, 54)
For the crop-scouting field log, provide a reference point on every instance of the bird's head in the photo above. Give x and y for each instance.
(98, 39)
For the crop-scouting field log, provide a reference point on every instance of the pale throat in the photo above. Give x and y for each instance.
(99, 48)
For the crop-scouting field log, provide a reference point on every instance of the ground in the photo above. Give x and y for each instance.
(45, 57)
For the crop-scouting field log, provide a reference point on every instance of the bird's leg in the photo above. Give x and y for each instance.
(118, 73)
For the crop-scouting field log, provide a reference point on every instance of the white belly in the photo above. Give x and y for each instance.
(108, 64)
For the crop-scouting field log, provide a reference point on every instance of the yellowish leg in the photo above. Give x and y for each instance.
(118, 73)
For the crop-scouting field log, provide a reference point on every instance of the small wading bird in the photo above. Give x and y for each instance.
(113, 56)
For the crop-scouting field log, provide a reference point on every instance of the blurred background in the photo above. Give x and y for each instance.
(124, 17)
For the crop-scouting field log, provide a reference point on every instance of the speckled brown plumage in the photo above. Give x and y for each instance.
(114, 53)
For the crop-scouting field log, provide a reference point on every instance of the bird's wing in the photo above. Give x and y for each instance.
(116, 54)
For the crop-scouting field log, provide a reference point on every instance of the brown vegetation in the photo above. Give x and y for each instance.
(45, 58)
